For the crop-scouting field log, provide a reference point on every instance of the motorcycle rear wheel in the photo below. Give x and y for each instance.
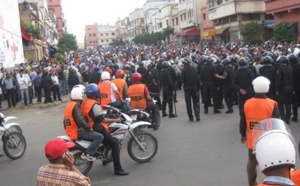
(82, 165)
(14, 145)
(136, 152)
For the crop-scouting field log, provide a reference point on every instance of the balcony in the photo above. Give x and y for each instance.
(273, 6)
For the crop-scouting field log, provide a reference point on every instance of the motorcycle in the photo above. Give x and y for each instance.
(14, 143)
(141, 147)
(143, 115)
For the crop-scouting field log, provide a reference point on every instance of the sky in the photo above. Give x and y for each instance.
(79, 13)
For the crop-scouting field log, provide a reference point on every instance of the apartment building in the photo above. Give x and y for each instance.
(229, 16)
(91, 36)
(60, 20)
(106, 34)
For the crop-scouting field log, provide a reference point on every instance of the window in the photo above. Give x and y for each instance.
(102, 41)
(90, 35)
(106, 34)
(101, 34)
(176, 21)
(91, 41)
(107, 40)
(250, 17)
(184, 16)
(233, 18)
(89, 28)
(167, 22)
(173, 22)
(204, 18)
(94, 34)
(225, 20)
(112, 33)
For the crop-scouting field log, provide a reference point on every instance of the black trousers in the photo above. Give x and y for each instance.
(38, 91)
(285, 102)
(47, 95)
(156, 89)
(228, 91)
(113, 143)
(10, 96)
(295, 103)
(56, 92)
(191, 95)
(30, 94)
(209, 91)
(167, 99)
(151, 107)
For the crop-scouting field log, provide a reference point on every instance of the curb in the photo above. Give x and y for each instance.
(36, 106)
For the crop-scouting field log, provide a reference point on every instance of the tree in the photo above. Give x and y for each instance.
(167, 32)
(117, 43)
(283, 32)
(251, 32)
(59, 57)
(67, 43)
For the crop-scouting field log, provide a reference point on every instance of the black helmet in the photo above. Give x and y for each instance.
(293, 58)
(243, 63)
(226, 62)
(151, 65)
(283, 60)
(141, 64)
(267, 60)
(186, 61)
(217, 61)
(165, 65)
(223, 56)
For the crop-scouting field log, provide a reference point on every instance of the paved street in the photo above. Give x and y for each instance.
(190, 153)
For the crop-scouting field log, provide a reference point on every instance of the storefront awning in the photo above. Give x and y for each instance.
(268, 23)
(220, 31)
(190, 32)
(25, 34)
(208, 33)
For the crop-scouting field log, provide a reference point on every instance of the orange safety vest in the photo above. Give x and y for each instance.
(120, 83)
(266, 185)
(69, 122)
(295, 177)
(105, 92)
(256, 110)
(86, 107)
(137, 94)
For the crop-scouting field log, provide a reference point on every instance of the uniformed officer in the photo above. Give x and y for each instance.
(219, 83)
(269, 71)
(191, 89)
(207, 76)
(243, 85)
(284, 88)
(296, 84)
(141, 69)
(168, 89)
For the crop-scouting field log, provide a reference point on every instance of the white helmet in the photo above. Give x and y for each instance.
(261, 84)
(77, 92)
(274, 145)
(105, 75)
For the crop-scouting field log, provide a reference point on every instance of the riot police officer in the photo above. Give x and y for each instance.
(141, 69)
(219, 83)
(284, 88)
(228, 76)
(168, 89)
(269, 71)
(191, 89)
(296, 84)
(243, 85)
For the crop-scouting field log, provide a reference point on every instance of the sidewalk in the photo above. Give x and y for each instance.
(35, 105)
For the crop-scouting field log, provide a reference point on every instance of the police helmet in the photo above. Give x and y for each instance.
(151, 65)
(283, 60)
(186, 61)
(243, 63)
(293, 58)
(92, 91)
(165, 65)
(226, 62)
(267, 60)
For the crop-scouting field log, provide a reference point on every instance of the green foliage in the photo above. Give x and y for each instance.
(67, 43)
(251, 32)
(59, 57)
(283, 32)
(117, 43)
(35, 32)
(147, 38)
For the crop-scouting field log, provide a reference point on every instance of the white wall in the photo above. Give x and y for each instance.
(11, 46)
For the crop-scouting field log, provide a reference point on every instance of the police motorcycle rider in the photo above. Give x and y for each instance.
(110, 94)
(91, 110)
(77, 128)
(141, 99)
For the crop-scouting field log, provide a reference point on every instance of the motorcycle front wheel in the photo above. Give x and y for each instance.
(143, 148)
(82, 165)
(14, 145)
(15, 128)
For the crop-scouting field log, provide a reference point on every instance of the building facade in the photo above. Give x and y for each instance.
(230, 15)
(60, 20)
(137, 22)
(106, 34)
(118, 29)
(150, 8)
(91, 36)
(208, 32)
(289, 11)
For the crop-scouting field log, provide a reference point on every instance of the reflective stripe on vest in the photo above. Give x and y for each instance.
(120, 83)
(105, 92)
(69, 122)
(137, 94)
(256, 110)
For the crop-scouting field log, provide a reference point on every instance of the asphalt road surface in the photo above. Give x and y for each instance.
(208, 152)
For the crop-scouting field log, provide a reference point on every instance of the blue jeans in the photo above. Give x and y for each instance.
(63, 87)
(123, 106)
(95, 137)
(24, 96)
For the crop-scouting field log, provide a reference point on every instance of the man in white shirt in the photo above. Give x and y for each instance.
(23, 84)
(55, 88)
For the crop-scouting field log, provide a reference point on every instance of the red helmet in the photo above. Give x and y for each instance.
(136, 77)
(119, 74)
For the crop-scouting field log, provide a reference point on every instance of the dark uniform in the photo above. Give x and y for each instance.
(191, 90)
(141, 69)
(219, 84)
(209, 85)
(168, 87)
(296, 84)
(269, 71)
(228, 74)
(284, 88)
(243, 81)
